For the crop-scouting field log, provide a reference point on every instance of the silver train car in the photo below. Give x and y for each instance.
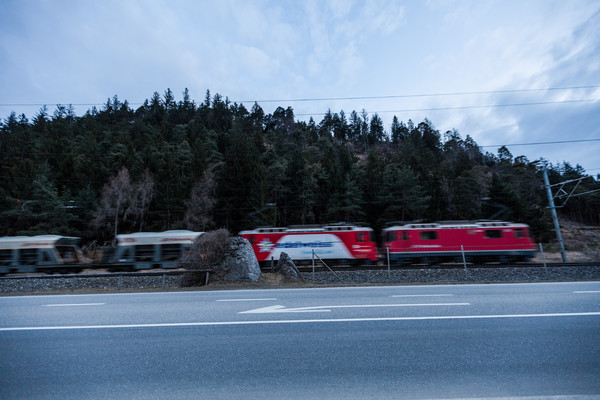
(147, 250)
(43, 253)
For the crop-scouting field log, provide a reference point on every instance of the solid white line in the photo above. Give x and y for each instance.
(298, 321)
(422, 295)
(74, 305)
(587, 291)
(557, 397)
(271, 299)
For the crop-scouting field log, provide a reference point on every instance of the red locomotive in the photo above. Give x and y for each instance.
(479, 241)
(339, 243)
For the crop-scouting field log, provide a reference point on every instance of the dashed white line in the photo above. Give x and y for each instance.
(587, 291)
(422, 295)
(74, 305)
(268, 299)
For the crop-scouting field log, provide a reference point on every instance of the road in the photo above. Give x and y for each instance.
(532, 341)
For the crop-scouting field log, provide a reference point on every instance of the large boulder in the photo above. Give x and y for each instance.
(240, 261)
(287, 268)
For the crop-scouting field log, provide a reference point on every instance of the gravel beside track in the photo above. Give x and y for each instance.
(169, 280)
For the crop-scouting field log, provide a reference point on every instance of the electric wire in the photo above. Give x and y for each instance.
(381, 97)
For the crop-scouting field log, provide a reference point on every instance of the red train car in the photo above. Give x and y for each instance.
(479, 241)
(339, 243)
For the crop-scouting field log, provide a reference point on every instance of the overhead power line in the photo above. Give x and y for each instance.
(314, 99)
(540, 143)
(467, 107)
(399, 96)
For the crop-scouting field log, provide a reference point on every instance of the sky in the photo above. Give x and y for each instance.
(504, 72)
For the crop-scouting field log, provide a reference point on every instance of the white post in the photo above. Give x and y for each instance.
(462, 250)
(543, 257)
(388, 261)
(313, 265)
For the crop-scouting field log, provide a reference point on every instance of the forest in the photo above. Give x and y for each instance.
(185, 165)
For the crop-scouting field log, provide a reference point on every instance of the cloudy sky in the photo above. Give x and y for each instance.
(504, 72)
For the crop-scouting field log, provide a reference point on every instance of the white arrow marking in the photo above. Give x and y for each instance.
(282, 309)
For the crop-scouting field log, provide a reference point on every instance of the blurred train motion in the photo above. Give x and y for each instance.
(479, 241)
(147, 250)
(54, 253)
(339, 243)
(43, 253)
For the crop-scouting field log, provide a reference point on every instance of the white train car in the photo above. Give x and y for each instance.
(147, 250)
(43, 253)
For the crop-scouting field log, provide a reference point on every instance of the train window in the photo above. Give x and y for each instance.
(363, 237)
(5, 257)
(493, 234)
(170, 252)
(144, 252)
(46, 258)
(404, 235)
(428, 235)
(390, 236)
(28, 257)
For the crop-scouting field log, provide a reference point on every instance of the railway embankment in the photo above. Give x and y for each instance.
(83, 283)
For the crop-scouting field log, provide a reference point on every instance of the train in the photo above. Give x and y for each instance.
(402, 244)
(334, 243)
(148, 250)
(55, 253)
(42, 253)
(458, 241)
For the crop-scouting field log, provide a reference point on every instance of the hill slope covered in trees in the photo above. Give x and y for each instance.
(169, 165)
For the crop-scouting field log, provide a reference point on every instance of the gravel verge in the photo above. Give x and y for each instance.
(132, 282)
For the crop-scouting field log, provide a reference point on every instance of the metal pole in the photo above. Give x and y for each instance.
(543, 257)
(462, 250)
(554, 216)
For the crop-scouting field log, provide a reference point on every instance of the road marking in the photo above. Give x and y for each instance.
(282, 309)
(295, 321)
(271, 299)
(422, 295)
(587, 291)
(74, 305)
(557, 397)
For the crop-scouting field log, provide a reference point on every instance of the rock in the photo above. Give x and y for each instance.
(287, 268)
(240, 261)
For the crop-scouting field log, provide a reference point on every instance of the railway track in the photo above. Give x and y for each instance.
(384, 267)
(107, 269)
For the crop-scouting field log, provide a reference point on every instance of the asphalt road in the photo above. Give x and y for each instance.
(532, 341)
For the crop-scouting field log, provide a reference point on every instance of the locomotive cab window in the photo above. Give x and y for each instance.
(519, 233)
(493, 234)
(428, 235)
(363, 237)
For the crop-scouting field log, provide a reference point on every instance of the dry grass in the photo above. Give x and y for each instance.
(582, 243)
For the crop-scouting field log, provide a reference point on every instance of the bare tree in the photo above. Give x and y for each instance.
(143, 193)
(115, 201)
(201, 203)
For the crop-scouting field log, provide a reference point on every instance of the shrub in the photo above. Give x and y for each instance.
(206, 253)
